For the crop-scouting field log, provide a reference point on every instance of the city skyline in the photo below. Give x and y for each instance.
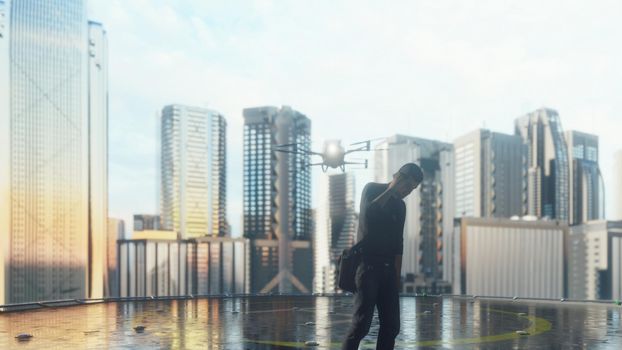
(432, 70)
(160, 171)
(555, 159)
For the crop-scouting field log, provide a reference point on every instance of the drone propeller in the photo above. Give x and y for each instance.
(294, 148)
(289, 144)
(367, 141)
(361, 143)
(364, 163)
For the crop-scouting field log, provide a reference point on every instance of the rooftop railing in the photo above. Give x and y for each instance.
(76, 302)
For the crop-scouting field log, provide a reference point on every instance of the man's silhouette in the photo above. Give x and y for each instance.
(381, 228)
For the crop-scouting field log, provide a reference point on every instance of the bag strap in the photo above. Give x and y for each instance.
(357, 248)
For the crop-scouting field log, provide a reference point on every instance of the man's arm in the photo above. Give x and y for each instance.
(398, 270)
(382, 199)
(400, 247)
(372, 203)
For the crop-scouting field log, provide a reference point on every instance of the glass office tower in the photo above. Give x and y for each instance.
(277, 199)
(586, 188)
(193, 172)
(98, 157)
(53, 151)
(489, 168)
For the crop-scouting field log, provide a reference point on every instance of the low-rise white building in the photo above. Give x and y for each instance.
(169, 267)
(505, 258)
(595, 261)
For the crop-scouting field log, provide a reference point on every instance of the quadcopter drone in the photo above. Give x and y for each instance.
(333, 155)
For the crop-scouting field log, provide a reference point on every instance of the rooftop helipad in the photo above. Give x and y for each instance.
(320, 322)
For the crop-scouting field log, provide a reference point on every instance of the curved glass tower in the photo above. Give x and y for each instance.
(546, 188)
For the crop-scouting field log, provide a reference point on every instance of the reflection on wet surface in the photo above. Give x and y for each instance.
(286, 322)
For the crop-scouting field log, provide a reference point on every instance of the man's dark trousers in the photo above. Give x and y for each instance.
(376, 286)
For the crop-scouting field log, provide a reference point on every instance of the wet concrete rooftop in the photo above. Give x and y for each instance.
(286, 322)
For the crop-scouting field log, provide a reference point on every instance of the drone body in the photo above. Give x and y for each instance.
(333, 154)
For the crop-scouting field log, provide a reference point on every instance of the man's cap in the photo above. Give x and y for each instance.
(413, 170)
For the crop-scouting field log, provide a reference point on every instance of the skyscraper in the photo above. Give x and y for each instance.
(193, 171)
(98, 157)
(5, 156)
(53, 151)
(429, 209)
(585, 180)
(336, 228)
(488, 168)
(545, 191)
(277, 199)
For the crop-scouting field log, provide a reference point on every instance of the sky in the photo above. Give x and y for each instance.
(359, 70)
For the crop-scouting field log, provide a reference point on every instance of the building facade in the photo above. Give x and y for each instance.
(506, 258)
(546, 172)
(336, 228)
(193, 171)
(201, 266)
(53, 151)
(116, 231)
(429, 209)
(98, 157)
(277, 199)
(595, 261)
(586, 186)
(489, 169)
(144, 222)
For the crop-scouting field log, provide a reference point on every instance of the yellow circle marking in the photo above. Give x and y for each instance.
(537, 325)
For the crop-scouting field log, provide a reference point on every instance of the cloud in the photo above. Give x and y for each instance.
(358, 69)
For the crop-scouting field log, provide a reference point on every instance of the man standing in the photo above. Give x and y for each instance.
(381, 228)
